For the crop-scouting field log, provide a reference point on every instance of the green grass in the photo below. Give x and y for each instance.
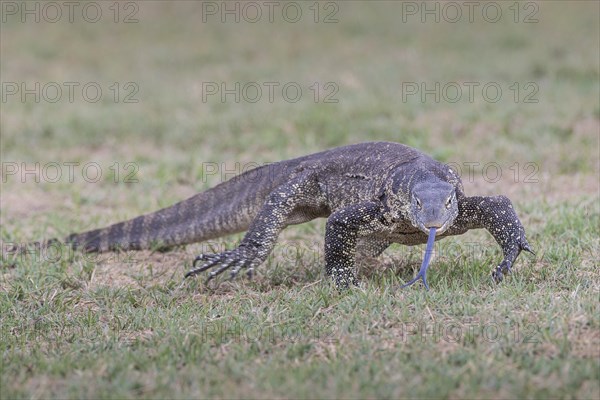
(124, 325)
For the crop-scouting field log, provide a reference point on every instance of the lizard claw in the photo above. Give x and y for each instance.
(200, 257)
(497, 276)
(503, 269)
(196, 270)
(527, 248)
(232, 259)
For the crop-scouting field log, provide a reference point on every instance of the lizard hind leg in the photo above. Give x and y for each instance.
(299, 193)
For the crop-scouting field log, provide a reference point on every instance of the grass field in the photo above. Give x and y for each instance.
(168, 125)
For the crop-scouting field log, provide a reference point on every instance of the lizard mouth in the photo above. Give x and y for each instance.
(439, 229)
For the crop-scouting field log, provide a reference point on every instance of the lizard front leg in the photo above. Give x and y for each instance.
(343, 228)
(497, 215)
(301, 191)
(369, 247)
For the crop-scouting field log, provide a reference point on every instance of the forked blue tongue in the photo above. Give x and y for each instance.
(423, 271)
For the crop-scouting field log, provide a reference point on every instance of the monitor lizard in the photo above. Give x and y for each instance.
(373, 194)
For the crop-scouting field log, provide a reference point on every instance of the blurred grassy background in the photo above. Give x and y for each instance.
(368, 54)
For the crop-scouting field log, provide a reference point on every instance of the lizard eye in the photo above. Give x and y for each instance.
(419, 205)
(449, 201)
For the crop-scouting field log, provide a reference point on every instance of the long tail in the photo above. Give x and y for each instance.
(227, 208)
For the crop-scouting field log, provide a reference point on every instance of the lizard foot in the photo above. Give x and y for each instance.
(503, 269)
(344, 278)
(505, 266)
(234, 260)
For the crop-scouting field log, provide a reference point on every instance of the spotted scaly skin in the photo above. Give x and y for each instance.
(373, 194)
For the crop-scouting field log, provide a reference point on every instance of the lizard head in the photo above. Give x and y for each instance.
(433, 205)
